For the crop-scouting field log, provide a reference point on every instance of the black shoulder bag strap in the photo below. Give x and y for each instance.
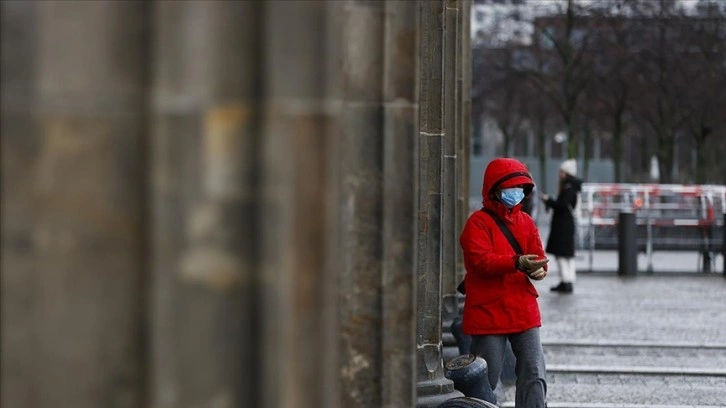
(507, 233)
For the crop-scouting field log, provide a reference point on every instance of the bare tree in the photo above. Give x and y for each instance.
(497, 83)
(561, 42)
(539, 112)
(660, 78)
(646, 74)
(705, 100)
(611, 93)
(500, 93)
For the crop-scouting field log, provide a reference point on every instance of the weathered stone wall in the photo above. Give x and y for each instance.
(230, 204)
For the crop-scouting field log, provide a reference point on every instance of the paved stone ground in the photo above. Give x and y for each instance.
(661, 261)
(648, 341)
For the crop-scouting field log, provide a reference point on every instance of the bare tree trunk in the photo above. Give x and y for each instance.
(573, 140)
(541, 143)
(617, 146)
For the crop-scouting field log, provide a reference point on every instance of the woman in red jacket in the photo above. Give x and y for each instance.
(501, 302)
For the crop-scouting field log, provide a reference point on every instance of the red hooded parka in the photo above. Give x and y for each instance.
(500, 299)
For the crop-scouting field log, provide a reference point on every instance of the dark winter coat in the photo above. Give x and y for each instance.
(561, 241)
(500, 299)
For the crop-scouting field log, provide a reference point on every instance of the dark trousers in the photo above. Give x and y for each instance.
(530, 368)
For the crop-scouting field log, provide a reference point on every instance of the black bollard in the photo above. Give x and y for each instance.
(627, 245)
(470, 376)
(466, 402)
(462, 340)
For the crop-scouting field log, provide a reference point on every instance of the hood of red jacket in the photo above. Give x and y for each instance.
(504, 173)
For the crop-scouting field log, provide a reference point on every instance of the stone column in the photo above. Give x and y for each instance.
(432, 386)
(463, 84)
(399, 203)
(207, 332)
(331, 289)
(449, 238)
(297, 285)
(361, 194)
(73, 170)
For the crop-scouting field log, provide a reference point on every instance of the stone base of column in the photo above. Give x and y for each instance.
(431, 394)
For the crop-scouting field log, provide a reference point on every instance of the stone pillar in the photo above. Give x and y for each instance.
(361, 194)
(449, 238)
(463, 84)
(333, 83)
(207, 331)
(295, 212)
(399, 203)
(432, 386)
(73, 170)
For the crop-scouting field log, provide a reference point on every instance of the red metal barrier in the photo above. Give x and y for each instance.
(668, 216)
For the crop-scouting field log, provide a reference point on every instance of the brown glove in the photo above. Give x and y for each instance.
(530, 263)
(539, 274)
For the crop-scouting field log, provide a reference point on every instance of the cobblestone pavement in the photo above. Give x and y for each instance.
(650, 341)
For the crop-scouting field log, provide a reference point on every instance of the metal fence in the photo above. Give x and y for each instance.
(668, 216)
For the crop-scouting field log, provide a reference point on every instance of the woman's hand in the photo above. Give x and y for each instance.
(531, 262)
(544, 197)
(539, 274)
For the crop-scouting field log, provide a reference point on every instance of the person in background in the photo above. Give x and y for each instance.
(501, 301)
(530, 205)
(561, 241)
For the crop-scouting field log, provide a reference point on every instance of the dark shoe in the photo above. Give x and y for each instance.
(558, 287)
(563, 287)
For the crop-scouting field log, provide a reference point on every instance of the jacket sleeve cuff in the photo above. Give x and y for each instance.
(516, 264)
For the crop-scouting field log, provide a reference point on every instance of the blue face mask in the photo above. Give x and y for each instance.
(511, 196)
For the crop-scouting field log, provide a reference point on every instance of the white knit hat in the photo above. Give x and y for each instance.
(569, 166)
